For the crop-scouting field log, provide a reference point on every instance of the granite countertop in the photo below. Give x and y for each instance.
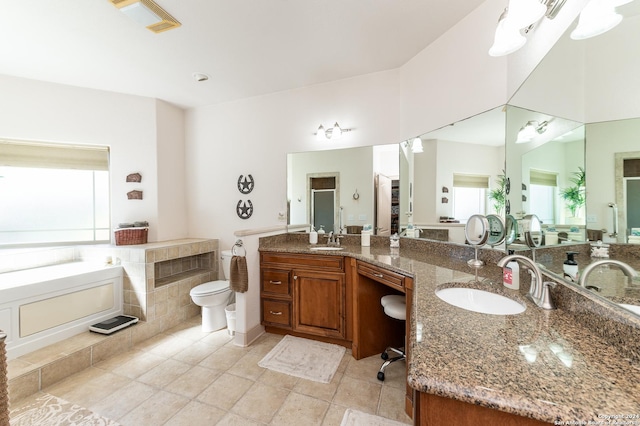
(539, 364)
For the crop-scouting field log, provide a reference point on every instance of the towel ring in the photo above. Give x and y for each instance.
(236, 247)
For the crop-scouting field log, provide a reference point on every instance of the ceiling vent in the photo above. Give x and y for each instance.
(147, 13)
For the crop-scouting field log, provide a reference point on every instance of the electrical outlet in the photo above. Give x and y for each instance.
(592, 218)
(362, 217)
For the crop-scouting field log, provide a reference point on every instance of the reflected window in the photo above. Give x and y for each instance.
(57, 194)
(469, 196)
(543, 195)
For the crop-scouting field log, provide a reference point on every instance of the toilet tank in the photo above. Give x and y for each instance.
(226, 255)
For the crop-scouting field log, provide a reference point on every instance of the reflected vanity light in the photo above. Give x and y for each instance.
(519, 15)
(415, 145)
(334, 132)
(597, 17)
(531, 130)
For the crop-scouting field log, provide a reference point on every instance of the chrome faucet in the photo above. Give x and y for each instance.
(538, 290)
(628, 270)
(333, 240)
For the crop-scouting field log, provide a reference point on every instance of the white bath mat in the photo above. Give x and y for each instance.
(358, 418)
(49, 410)
(304, 358)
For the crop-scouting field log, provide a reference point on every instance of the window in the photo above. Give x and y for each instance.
(53, 193)
(469, 196)
(543, 194)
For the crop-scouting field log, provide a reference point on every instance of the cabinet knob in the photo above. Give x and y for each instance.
(275, 313)
(275, 282)
(295, 277)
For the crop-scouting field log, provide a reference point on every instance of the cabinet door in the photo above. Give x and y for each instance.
(318, 306)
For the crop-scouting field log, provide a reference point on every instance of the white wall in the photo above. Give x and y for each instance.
(172, 201)
(39, 111)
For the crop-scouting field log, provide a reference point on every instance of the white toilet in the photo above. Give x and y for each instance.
(214, 296)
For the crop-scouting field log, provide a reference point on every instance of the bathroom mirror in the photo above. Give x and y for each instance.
(532, 229)
(496, 230)
(419, 179)
(510, 229)
(542, 169)
(594, 81)
(323, 183)
(477, 144)
(476, 231)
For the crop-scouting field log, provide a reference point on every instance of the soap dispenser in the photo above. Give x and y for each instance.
(570, 267)
(313, 236)
(511, 274)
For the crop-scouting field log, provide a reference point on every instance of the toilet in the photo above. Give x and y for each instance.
(214, 296)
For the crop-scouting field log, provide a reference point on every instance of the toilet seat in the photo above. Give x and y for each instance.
(209, 288)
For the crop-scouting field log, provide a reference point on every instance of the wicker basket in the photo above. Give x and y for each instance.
(130, 236)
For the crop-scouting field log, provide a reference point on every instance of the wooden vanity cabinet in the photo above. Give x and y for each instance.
(305, 294)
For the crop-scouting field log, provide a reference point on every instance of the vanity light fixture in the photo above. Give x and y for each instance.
(415, 145)
(521, 15)
(147, 13)
(334, 132)
(597, 17)
(531, 130)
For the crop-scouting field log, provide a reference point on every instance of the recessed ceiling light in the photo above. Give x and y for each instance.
(198, 76)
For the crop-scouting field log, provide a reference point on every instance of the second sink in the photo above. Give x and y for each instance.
(325, 248)
(480, 301)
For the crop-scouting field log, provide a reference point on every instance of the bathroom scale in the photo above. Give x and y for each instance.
(113, 324)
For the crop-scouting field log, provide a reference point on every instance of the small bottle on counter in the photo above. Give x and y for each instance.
(570, 267)
(313, 236)
(365, 235)
(394, 241)
(511, 274)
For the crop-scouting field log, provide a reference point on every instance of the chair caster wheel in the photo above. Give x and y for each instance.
(384, 355)
(381, 376)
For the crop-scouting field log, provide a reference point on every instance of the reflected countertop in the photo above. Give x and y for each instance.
(540, 364)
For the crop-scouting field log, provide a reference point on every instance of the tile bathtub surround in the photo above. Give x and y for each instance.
(158, 276)
(185, 377)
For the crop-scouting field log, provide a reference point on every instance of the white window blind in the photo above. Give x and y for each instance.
(470, 181)
(53, 156)
(543, 178)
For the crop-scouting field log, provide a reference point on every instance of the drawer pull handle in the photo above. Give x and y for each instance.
(275, 282)
(378, 275)
(275, 313)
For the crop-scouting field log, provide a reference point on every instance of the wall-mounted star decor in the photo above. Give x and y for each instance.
(245, 184)
(244, 209)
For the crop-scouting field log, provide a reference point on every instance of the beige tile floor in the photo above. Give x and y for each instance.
(186, 377)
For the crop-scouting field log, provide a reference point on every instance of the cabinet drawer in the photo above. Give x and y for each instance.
(276, 312)
(276, 282)
(381, 275)
(307, 261)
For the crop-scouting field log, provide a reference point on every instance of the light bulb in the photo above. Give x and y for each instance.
(336, 133)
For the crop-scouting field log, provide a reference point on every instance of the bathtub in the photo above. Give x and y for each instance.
(41, 306)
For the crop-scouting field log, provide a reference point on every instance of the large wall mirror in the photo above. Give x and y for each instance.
(595, 82)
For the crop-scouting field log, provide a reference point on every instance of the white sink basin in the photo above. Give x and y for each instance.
(481, 301)
(633, 308)
(325, 248)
